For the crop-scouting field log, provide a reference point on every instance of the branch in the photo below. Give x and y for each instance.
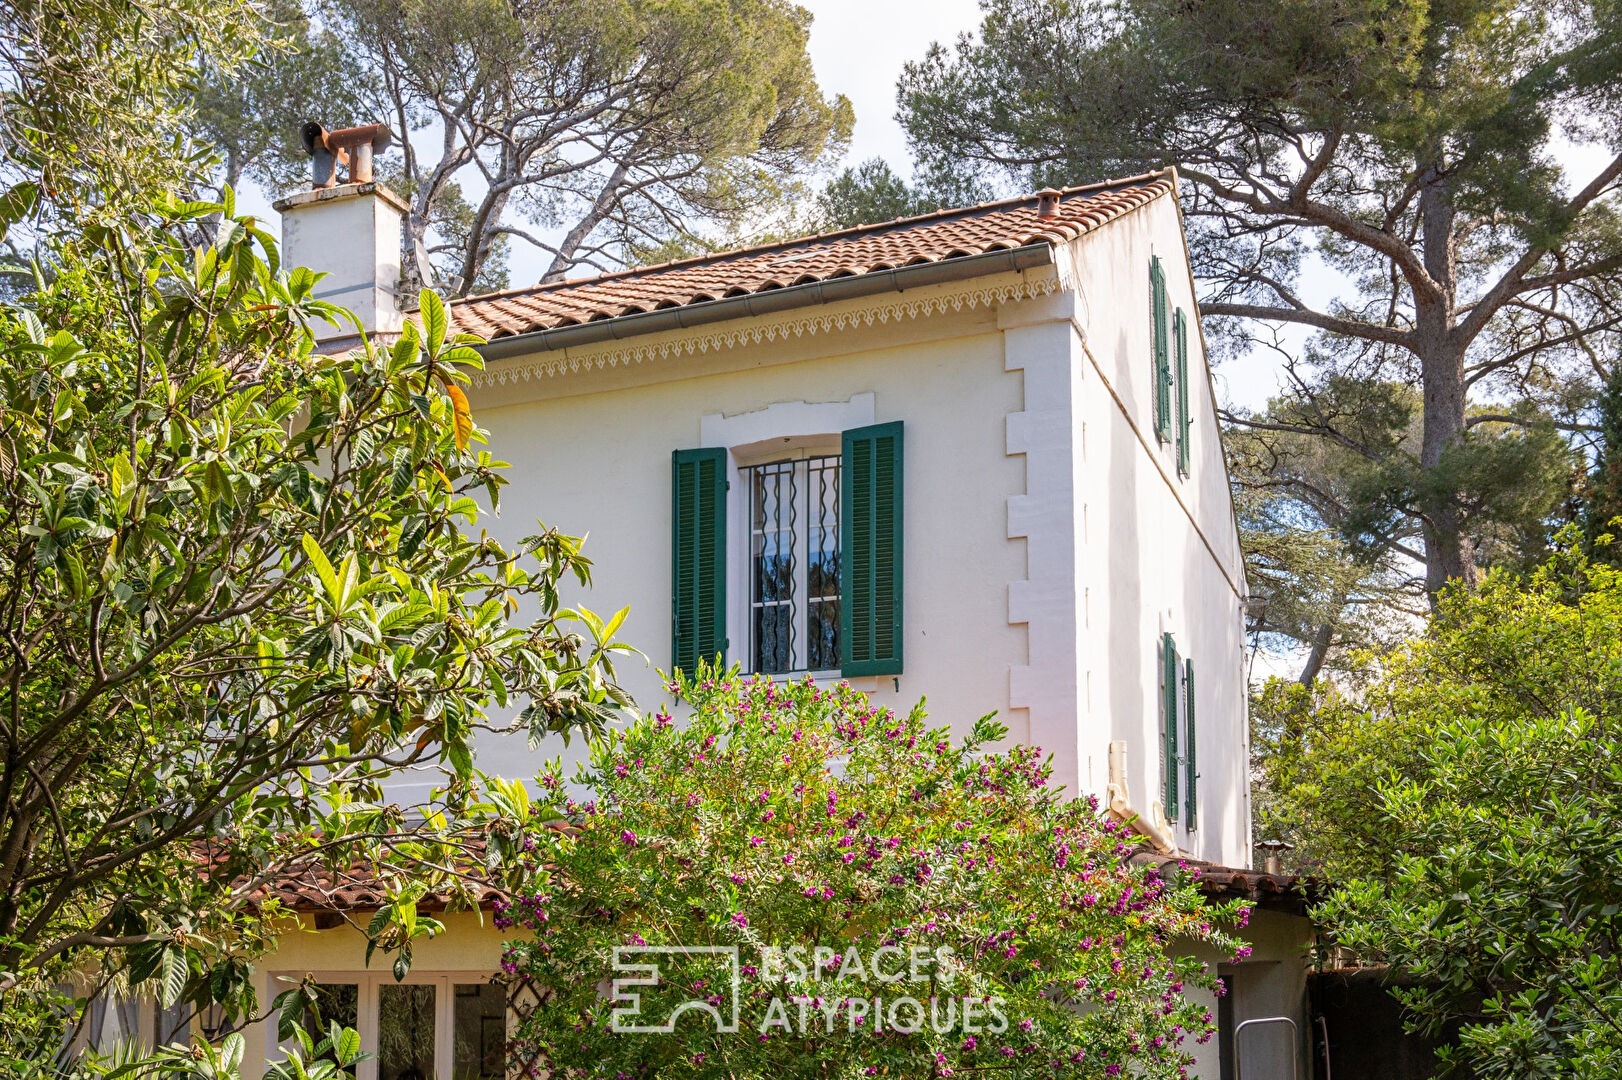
(1321, 215)
(1521, 421)
(1331, 323)
(1514, 279)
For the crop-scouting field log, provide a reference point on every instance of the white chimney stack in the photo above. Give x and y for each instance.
(351, 232)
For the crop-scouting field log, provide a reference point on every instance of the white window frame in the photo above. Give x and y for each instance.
(368, 984)
(784, 431)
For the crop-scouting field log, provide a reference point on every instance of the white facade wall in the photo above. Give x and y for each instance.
(591, 453)
(1049, 540)
(1159, 552)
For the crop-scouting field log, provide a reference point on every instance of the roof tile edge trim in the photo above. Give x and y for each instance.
(738, 333)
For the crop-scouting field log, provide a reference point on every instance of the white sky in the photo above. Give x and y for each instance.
(858, 49)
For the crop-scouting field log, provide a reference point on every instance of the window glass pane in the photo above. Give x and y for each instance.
(774, 573)
(794, 565)
(405, 1032)
(338, 1003)
(774, 541)
(480, 1032)
(822, 564)
(771, 630)
(822, 636)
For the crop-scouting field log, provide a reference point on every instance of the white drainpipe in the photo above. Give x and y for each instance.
(1156, 829)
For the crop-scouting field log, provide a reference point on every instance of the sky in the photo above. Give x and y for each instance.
(859, 47)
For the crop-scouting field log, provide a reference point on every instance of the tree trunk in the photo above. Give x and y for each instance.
(601, 207)
(1449, 551)
(1320, 648)
(416, 273)
(480, 238)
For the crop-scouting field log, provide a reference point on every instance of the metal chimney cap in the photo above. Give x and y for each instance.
(315, 137)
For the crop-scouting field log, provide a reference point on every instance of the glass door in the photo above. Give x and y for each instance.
(441, 1026)
(406, 1022)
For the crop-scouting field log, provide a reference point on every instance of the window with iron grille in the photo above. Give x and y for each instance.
(794, 565)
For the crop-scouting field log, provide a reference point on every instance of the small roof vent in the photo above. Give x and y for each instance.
(1047, 203)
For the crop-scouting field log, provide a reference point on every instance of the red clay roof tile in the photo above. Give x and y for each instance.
(945, 234)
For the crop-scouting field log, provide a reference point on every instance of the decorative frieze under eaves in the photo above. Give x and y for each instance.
(761, 330)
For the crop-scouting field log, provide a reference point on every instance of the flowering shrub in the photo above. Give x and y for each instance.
(899, 903)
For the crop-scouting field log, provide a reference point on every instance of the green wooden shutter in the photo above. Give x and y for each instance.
(1184, 420)
(1192, 797)
(1170, 669)
(870, 551)
(1160, 333)
(698, 560)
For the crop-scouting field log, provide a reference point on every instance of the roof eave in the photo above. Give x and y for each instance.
(831, 290)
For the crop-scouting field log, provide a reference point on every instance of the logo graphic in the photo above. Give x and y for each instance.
(627, 1016)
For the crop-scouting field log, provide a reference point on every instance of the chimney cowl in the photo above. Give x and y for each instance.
(1047, 203)
(353, 146)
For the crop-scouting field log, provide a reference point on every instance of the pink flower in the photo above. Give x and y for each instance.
(628, 838)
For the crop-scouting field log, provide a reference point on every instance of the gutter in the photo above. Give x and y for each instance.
(828, 291)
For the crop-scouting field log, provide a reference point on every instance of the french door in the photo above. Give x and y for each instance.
(431, 1026)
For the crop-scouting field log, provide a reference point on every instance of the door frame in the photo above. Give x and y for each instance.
(367, 984)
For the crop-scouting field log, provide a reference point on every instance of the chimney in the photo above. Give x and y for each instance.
(350, 231)
(1047, 203)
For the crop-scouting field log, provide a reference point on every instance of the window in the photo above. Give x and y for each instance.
(821, 546)
(1184, 420)
(426, 1027)
(794, 565)
(1170, 692)
(1179, 769)
(1160, 333)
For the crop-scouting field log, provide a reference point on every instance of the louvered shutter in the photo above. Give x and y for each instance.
(1184, 420)
(1192, 796)
(1162, 348)
(1170, 669)
(698, 557)
(870, 551)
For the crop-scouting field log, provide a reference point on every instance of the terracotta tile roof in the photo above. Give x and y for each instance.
(305, 884)
(1286, 892)
(929, 238)
(312, 887)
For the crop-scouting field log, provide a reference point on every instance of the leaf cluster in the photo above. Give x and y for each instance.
(793, 816)
(244, 608)
(1468, 802)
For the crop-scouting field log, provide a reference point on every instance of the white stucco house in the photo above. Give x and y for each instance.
(972, 456)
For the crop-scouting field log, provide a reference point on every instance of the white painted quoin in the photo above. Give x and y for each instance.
(1052, 542)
